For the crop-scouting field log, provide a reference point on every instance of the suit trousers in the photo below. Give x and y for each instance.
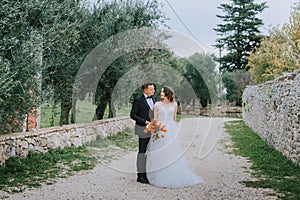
(141, 156)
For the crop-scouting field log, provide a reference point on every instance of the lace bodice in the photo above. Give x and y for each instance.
(165, 111)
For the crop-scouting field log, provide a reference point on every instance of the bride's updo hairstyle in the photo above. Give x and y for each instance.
(169, 93)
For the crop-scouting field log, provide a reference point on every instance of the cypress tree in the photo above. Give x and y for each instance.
(239, 34)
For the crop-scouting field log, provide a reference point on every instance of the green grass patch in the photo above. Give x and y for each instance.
(38, 168)
(125, 140)
(106, 149)
(50, 116)
(50, 113)
(272, 169)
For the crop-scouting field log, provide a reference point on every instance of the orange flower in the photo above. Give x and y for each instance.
(163, 129)
(155, 127)
(153, 132)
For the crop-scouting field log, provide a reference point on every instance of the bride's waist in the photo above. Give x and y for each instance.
(169, 123)
(166, 120)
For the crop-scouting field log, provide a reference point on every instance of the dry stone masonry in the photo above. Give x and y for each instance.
(41, 140)
(272, 110)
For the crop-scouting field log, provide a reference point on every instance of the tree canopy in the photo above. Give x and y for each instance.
(239, 33)
(279, 52)
(18, 61)
(47, 41)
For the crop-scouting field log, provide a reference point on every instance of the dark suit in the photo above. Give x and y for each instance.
(141, 113)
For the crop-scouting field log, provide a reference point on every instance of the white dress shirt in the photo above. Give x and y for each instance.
(149, 101)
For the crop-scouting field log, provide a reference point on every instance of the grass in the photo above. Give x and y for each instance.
(20, 173)
(37, 169)
(270, 167)
(113, 147)
(125, 140)
(50, 114)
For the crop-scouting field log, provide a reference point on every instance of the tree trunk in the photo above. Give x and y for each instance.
(99, 114)
(65, 110)
(112, 111)
(73, 116)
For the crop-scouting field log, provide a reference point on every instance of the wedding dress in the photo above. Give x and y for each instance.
(166, 165)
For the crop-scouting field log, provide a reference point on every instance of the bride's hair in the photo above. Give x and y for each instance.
(169, 93)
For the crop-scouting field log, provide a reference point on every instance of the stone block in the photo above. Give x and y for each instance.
(5, 154)
(30, 147)
(39, 149)
(76, 142)
(44, 142)
(11, 151)
(24, 153)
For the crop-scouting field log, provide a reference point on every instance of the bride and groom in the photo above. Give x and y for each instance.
(160, 162)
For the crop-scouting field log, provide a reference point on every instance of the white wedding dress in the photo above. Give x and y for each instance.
(166, 164)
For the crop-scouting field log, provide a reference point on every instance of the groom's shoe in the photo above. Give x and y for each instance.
(142, 178)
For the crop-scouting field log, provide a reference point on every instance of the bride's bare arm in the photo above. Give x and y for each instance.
(175, 113)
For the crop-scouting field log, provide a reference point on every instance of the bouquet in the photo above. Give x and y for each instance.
(155, 127)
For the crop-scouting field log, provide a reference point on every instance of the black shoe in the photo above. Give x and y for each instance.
(142, 180)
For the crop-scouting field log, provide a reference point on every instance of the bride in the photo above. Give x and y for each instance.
(166, 165)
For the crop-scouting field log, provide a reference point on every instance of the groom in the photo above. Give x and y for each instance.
(142, 113)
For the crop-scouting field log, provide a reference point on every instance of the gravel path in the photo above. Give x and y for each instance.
(208, 154)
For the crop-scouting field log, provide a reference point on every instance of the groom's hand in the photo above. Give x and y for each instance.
(147, 122)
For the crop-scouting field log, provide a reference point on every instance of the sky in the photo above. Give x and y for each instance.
(199, 16)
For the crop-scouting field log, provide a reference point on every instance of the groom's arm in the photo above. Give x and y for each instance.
(134, 113)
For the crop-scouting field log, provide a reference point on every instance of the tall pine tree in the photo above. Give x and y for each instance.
(239, 34)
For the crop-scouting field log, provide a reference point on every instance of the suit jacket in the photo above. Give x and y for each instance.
(141, 112)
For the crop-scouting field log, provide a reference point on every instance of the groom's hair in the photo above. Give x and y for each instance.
(145, 86)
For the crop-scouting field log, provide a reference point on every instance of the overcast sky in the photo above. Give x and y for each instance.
(199, 16)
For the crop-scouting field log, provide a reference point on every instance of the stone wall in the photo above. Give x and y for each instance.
(19, 144)
(272, 110)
